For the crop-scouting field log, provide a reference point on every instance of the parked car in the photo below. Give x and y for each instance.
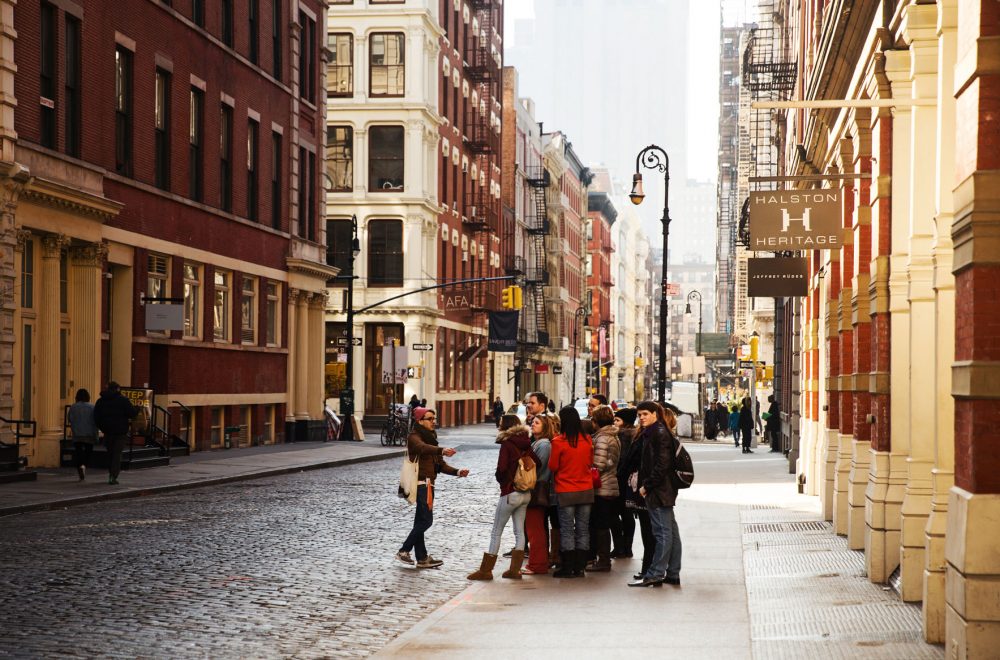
(519, 410)
(618, 404)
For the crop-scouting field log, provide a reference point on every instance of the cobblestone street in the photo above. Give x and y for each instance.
(299, 565)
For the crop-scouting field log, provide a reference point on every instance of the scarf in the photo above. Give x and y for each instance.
(430, 437)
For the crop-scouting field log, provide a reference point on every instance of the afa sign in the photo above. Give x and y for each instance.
(796, 219)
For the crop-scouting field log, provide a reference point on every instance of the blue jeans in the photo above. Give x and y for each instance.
(422, 521)
(667, 558)
(514, 505)
(736, 436)
(574, 527)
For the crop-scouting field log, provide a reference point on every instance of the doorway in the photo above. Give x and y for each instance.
(379, 397)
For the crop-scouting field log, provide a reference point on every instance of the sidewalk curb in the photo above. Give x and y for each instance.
(397, 645)
(215, 481)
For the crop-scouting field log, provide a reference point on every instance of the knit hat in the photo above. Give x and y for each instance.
(627, 415)
(419, 412)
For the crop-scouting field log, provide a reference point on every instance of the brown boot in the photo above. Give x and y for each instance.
(485, 571)
(602, 564)
(516, 559)
(555, 552)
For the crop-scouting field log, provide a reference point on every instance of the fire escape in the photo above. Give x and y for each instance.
(534, 329)
(481, 208)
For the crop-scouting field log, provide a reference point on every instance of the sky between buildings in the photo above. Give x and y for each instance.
(618, 75)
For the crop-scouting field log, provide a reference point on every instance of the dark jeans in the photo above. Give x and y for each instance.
(622, 527)
(115, 443)
(648, 540)
(736, 436)
(667, 560)
(81, 453)
(422, 521)
(747, 435)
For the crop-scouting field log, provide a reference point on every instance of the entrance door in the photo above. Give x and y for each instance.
(379, 397)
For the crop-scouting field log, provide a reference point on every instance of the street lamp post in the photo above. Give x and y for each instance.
(581, 312)
(655, 158)
(347, 395)
(701, 377)
(636, 356)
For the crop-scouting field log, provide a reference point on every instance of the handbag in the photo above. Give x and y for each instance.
(540, 494)
(633, 500)
(408, 479)
(595, 477)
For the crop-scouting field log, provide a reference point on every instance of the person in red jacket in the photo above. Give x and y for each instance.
(570, 461)
(515, 444)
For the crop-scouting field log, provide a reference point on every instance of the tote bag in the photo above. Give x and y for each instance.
(408, 479)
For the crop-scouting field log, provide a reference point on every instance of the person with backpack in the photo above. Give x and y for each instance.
(517, 474)
(543, 429)
(570, 463)
(656, 486)
(607, 452)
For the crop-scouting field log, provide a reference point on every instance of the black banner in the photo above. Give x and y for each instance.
(780, 277)
(503, 331)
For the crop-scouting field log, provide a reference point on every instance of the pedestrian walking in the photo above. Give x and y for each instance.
(514, 439)
(772, 422)
(746, 425)
(722, 417)
(498, 410)
(422, 445)
(623, 521)
(112, 415)
(660, 495)
(570, 461)
(734, 423)
(711, 425)
(607, 452)
(414, 403)
(84, 428)
(536, 519)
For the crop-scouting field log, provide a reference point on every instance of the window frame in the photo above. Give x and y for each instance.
(372, 159)
(379, 257)
(307, 58)
(161, 128)
(222, 333)
(194, 286)
(248, 304)
(198, 12)
(334, 68)
(340, 152)
(123, 111)
(373, 67)
(216, 432)
(276, 23)
(253, 169)
(156, 275)
(48, 74)
(196, 141)
(253, 30)
(226, 31)
(72, 120)
(276, 177)
(272, 305)
(337, 255)
(226, 158)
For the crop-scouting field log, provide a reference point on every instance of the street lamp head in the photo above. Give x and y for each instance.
(637, 195)
(355, 246)
(687, 308)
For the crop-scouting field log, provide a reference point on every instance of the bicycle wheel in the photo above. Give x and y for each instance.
(386, 436)
(400, 434)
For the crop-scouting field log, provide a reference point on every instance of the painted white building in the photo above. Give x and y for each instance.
(631, 305)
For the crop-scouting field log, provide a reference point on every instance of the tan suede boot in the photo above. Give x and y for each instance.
(485, 571)
(516, 559)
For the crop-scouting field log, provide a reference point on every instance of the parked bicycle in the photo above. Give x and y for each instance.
(396, 427)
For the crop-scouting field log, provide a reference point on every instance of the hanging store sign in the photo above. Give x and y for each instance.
(796, 219)
(456, 300)
(503, 331)
(394, 360)
(780, 277)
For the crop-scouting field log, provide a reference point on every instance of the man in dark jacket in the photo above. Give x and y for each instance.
(498, 411)
(660, 495)
(112, 414)
(746, 425)
(772, 425)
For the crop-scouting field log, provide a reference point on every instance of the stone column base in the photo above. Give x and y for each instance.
(841, 482)
(828, 454)
(881, 521)
(857, 480)
(916, 510)
(972, 590)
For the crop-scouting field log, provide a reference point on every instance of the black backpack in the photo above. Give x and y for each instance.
(682, 476)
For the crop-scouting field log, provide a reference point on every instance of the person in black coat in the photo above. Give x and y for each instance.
(112, 414)
(660, 495)
(623, 522)
(746, 424)
(772, 425)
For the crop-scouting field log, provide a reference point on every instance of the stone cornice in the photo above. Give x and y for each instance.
(975, 379)
(44, 192)
(311, 268)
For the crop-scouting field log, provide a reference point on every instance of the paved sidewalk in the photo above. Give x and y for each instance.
(763, 577)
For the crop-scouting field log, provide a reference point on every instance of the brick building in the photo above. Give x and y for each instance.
(173, 152)
(601, 216)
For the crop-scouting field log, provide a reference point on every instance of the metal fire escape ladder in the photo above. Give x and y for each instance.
(536, 274)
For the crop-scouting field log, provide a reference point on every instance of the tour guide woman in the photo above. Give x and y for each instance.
(422, 443)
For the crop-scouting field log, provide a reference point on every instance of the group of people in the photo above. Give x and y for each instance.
(742, 418)
(573, 489)
(112, 416)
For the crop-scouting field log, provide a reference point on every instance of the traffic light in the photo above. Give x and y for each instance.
(604, 372)
(507, 298)
(754, 346)
(518, 297)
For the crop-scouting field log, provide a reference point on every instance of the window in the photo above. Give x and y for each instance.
(28, 275)
(161, 119)
(63, 282)
(246, 427)
(303, 193)
(253, 23)
(268, 425)
(253, 133)
(276, 38)
(157, 278)
(307, 58)
(248, 311)
(339, 234)
(387, 67)
(73, 58)
(217, 427)
(590, 265)
(226, 158)
(340, 157)
(196, 130)
(49, 54)
(192, 301)
(307, 194)
(276, 180)
(385, 253)
(220, 321)
(198, 12)
(227, 22)
(273, 314)
(123, 111)
(385, 158)
(340, 81)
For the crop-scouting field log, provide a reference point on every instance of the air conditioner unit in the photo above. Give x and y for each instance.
(465, 255)
(561, 343)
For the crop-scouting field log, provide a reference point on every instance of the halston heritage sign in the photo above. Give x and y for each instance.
(780, 277)
(796, 219)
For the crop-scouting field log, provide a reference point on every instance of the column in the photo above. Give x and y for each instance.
(292, 316)
(882, 526)
(317, 343)
(838, 456)
(8, 299)
(921, 30)
(87, 270)
(302, 355)
(49, 409)
(973, 570)
(943, 473)
(897, 67)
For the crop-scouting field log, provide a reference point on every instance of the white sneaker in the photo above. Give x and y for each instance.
(404, 557)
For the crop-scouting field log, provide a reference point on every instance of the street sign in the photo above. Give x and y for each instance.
(796, 219)
(423, 347)
(749, 364)
(342, 341)
(556, 369)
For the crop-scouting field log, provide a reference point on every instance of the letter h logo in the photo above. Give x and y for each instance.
(786, 220)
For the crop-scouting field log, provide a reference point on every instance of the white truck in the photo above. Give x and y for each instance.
(685, 396)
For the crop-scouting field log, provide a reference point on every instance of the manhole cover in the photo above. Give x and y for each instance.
(760, 528)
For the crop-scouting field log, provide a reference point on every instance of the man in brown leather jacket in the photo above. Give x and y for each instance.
(422, 445)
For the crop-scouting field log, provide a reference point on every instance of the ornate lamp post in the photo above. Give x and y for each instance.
(580, 313)
(655, 158)
(687, 310)
(347, 395)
